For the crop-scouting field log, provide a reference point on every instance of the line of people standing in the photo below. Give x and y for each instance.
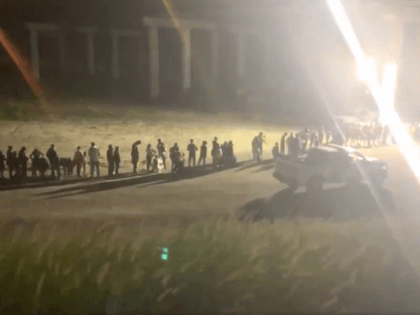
(17, 162)
(220, 154)
(294, 144)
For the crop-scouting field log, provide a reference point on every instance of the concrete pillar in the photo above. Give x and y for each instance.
(186, 60)
(240, 54)
(214, 56)
(154, 61)
(115, 62)
(34, 53)
(90, 53)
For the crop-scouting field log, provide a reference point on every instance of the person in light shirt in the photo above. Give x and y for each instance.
(94, 155)
(149, 156)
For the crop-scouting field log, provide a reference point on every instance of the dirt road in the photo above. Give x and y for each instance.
(202, 192)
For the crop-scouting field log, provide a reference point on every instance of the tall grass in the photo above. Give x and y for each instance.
(214, 266)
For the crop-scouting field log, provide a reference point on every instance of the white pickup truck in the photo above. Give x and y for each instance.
(329, 164)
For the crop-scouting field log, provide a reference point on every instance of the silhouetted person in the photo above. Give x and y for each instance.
(110, 160)
(203, 153)
(192, 149)
(117, 159)
(314, 140)
(135, 155)
(224, 151)
(283, 144)
(85, 162)
(261, 140)
(304, 139)
(173, 154)
(23, 162)
(35, 156)
(178, 161)
(54, 161)
(230, 156)
(215, 146)
(276, 151)
(9, 160)
(291, 144)
(161, 148)
(2, 167)
(216, 152)
(79, 160)
(16, 164)
(94, 155)
(149, 156)
(256, 149)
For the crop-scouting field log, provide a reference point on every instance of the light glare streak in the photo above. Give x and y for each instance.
(383, 95)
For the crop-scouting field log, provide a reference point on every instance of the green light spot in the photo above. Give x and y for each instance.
(165, 253)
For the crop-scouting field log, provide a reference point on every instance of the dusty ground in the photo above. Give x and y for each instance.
(171, 128)
(201, 193)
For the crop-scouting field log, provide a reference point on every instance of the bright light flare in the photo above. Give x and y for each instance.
(366, 70)
(383, 95)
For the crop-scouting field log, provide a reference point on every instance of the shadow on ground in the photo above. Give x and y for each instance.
(338, 204)
(48, 181)
(265, 165)
(146, 180)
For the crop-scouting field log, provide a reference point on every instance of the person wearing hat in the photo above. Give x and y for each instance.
(23, 162)
(203, 153)
(9, 161)
(80, 161)
(192, 149)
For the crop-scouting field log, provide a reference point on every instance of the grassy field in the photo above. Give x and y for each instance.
(213, 266)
